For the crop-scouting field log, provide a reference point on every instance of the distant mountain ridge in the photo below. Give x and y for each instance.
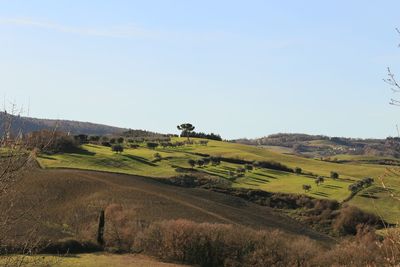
(28, 124)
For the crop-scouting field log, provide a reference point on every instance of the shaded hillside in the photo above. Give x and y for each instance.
(27, 124)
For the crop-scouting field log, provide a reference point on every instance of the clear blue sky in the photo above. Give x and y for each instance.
(238, 68)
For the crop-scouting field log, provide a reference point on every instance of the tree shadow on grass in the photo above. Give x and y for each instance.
(228, 168)
(252, 184)
(259, 180)
(266, 175)
(219, 171)
(141, 160)
(215, 174)
(332, 186)
(321, 194)
(82, 151)
(77, 150)
(376, 190)
(46, 157)
(369, 196)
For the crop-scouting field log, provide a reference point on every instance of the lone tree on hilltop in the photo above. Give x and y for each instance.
(186, 129)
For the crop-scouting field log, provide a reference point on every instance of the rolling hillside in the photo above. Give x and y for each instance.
(174, 162)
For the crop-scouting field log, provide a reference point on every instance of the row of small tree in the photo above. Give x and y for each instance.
(333, 175)
(361, 184)
(354, 188)
(241, 171)
(215, 161)
(119, 145)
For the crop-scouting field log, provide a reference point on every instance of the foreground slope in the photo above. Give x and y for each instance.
(73, 199)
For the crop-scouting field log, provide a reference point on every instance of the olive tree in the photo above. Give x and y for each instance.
(192, 163)
(306, 187)
(319, 180)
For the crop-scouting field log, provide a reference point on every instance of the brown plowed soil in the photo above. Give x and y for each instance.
(73, 196)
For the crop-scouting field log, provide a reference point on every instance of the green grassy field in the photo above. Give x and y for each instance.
(141, 161)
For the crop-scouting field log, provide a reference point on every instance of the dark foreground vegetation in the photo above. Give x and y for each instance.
(226, 245)
(207, 244)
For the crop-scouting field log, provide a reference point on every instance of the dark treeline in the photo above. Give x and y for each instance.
(210, 136)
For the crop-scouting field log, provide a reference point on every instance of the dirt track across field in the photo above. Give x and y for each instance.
(71, 190)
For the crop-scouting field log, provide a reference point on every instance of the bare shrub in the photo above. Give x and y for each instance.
(51, 142)
(223, 245)
(120, 229)
(390, 247)
(359, 251)
(350, 217)
(15, 159)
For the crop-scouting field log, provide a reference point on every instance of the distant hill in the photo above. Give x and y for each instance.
(27, 124)
(325, 146)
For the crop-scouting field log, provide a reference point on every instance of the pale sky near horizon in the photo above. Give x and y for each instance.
(237, 68)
